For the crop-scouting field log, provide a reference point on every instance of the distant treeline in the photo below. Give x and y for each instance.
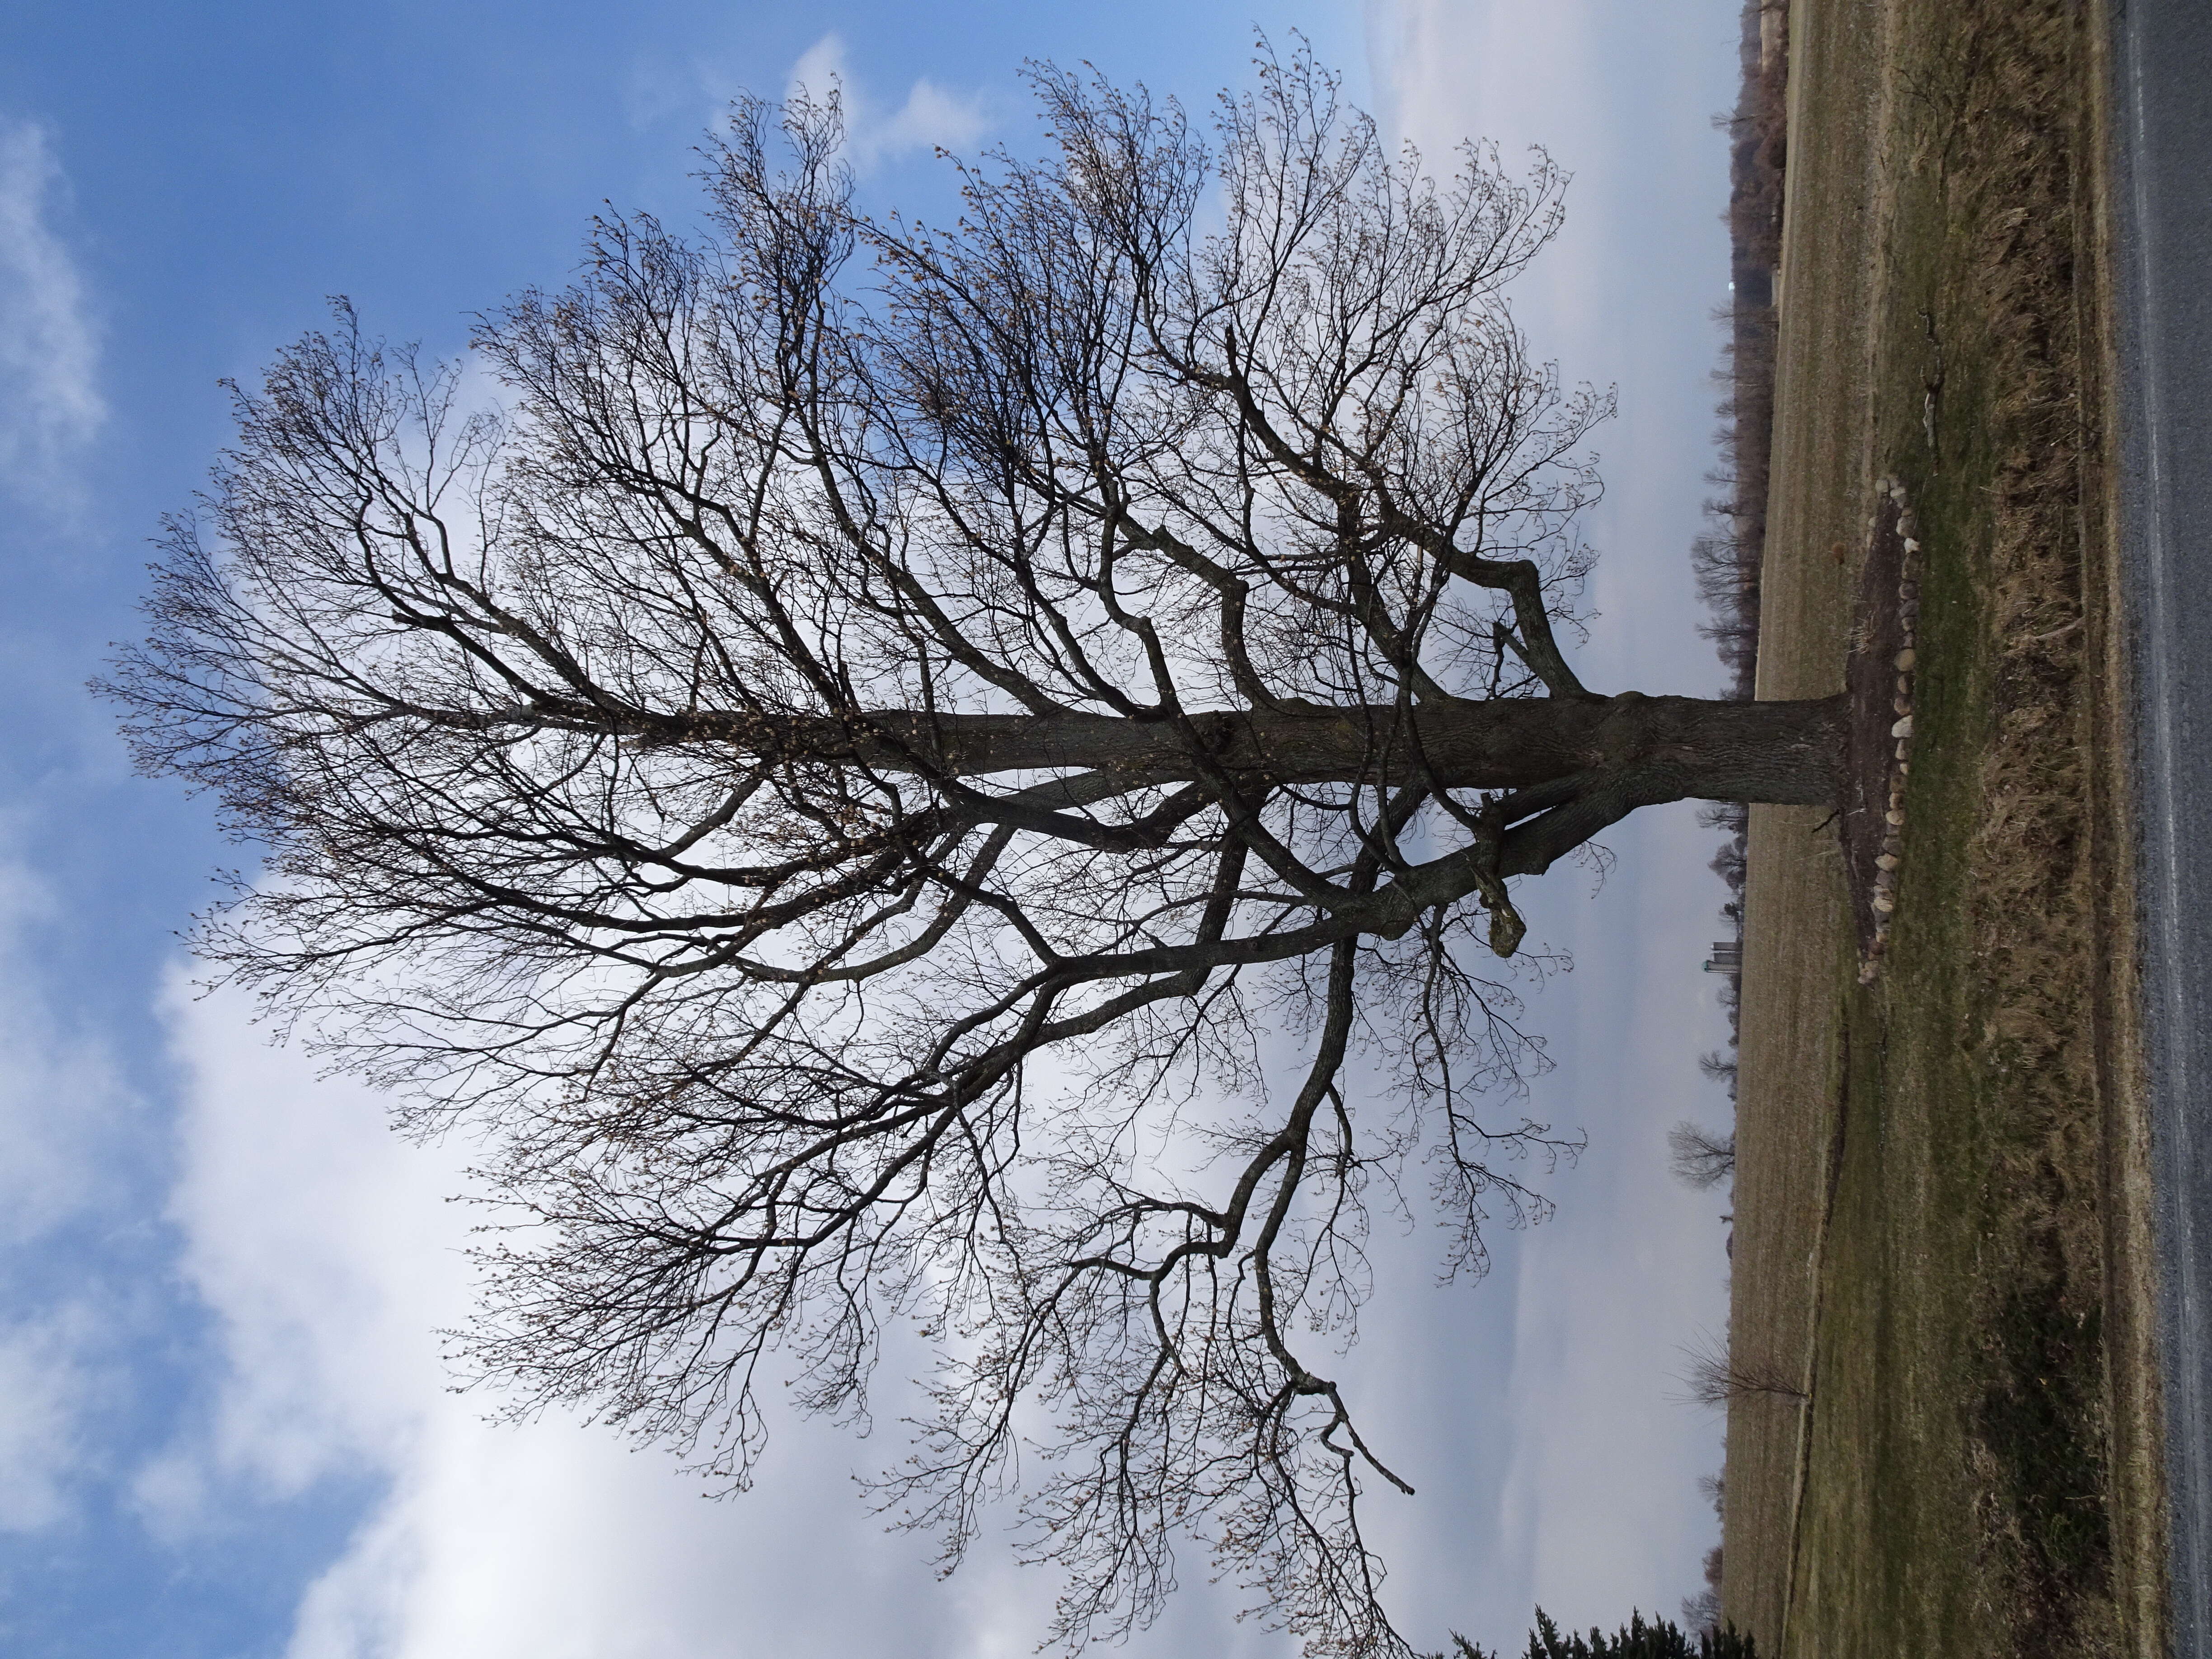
(1726, 558)
(1726, 561)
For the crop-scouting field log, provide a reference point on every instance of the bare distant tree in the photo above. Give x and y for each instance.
(1718, 1378)
(1698, 1157)
(834, 782)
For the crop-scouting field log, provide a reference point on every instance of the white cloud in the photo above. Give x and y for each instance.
(45, 1386)
(64, 1107)
(50, 401)
(62, 1099)
(319, 1243)
(699, 87)
(930, 119)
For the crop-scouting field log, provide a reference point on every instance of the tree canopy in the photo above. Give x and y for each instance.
(834, 773)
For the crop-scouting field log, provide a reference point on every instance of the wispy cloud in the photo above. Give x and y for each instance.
(62, 1106)
(930, 119)
(49, 403)
(930, 116)
(61, 1096)
(44, 1382)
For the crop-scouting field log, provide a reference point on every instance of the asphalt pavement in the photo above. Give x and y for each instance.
(2162, 118)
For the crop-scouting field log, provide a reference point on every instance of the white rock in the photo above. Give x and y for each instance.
(1902, 728)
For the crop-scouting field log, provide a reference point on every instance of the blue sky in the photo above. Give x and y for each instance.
(223, 1427)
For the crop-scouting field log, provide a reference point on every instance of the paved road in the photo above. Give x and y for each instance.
(2162, 111)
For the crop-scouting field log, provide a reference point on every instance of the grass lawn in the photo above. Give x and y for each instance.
(1940, 1267)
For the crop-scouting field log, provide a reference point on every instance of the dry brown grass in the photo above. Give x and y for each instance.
(1796, 935)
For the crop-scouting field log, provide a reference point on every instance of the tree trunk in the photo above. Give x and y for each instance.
(1657, 749)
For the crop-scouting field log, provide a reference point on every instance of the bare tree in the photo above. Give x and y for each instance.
(1717, 1378)
(1700, 1158)
(833, 782)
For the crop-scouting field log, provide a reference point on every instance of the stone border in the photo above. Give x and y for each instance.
(1883, 899)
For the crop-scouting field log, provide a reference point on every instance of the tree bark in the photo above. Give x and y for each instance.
(1657, 749)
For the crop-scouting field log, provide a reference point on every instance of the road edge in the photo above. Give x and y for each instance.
(2154, 46)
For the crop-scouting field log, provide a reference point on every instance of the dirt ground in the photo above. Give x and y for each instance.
(1941, 1272)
